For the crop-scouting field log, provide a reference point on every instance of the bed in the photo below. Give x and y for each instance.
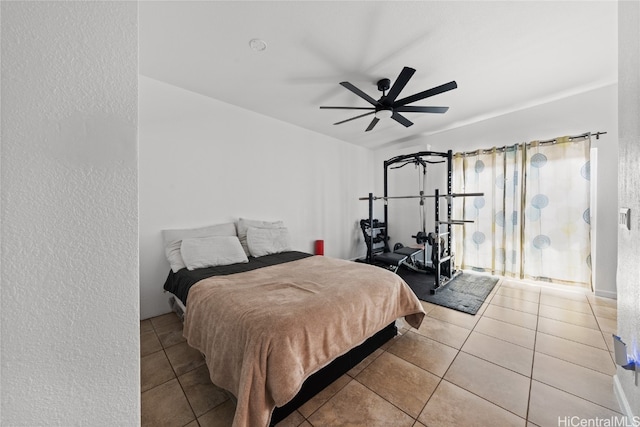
(270, 326)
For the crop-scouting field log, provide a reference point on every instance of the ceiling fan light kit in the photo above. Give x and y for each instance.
(384, 113)
(388, 107)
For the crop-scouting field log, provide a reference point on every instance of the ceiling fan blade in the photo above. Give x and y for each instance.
(353, 118)
(400, 83)
(348, 108)
(427, 93)
(360, 93)
(373, 123)
(416, 109)
(401, 119)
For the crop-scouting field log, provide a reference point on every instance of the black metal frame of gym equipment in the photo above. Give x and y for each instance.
(417, 159)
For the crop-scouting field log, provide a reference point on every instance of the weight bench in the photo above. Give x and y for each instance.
(408, 251)
(393, 260)
(390, 260)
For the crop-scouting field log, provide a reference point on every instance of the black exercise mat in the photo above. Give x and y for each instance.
(465, 293)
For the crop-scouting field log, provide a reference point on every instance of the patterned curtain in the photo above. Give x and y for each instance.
(533, 220)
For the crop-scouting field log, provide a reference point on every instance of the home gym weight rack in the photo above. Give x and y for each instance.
(399, 256)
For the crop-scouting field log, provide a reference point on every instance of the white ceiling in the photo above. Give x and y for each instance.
(504, 56)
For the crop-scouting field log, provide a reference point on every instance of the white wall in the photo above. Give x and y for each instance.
(205, 162)
(626, 388)
(69, 269)
(595, 110)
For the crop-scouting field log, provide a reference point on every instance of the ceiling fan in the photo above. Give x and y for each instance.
(387, 106)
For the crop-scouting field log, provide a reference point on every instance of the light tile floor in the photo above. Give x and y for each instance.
(531, 357)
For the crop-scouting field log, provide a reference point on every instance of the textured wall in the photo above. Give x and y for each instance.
(70, 340)
(629, 193)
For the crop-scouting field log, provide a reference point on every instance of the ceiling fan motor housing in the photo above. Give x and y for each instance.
(384, 85)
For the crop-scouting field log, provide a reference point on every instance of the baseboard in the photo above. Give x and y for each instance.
(622, 398)
(606, 294)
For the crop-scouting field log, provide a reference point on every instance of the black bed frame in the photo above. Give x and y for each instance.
(321, 379)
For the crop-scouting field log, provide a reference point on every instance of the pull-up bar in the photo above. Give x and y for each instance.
(424, 196)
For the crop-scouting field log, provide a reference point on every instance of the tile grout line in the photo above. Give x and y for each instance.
(459, 350)
(458, 353)
(440, 378)
(578, 397)
(577, 342)
(195, 418)
(351, 379)
(567, 361)
(549, 333)
(533, 360)
(553, 319)
(489, 361)
(182, 388)
(383, 398)
(354, 378)
(602, 332)
(503, 340)
(163, 383)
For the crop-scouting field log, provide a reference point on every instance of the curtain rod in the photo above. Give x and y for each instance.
(584, 135)
(546, 142)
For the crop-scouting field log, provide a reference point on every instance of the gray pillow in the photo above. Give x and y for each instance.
(266, 241)
(244, 224)
(173, 240)
(201, 252)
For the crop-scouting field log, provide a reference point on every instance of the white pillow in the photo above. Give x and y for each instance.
(201, 252)
(173, 240)
(266, 241)
(244, 224)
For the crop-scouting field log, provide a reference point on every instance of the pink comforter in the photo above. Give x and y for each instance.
(265, 331)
